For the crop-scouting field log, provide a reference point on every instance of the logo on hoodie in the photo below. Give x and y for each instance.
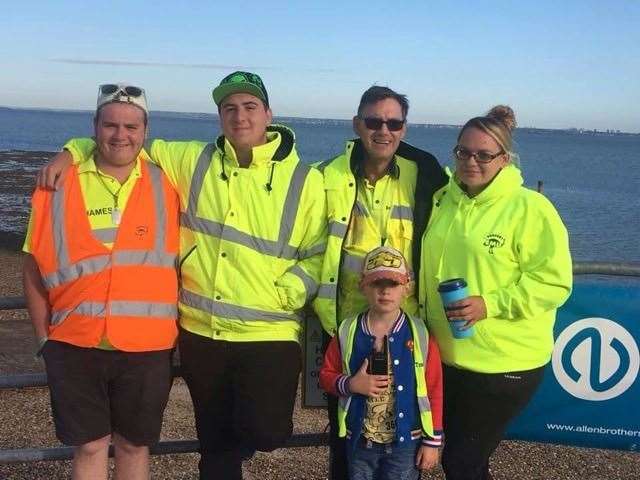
(493, 240)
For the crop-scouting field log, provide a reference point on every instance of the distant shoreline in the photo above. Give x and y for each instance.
(339, 121)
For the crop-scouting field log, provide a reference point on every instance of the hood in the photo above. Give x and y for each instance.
(505, 182)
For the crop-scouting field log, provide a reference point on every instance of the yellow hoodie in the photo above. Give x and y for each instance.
(512, 248)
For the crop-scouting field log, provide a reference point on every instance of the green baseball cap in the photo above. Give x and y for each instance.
(240, 82)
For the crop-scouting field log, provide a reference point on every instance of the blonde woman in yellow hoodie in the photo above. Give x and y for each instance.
(511, 247)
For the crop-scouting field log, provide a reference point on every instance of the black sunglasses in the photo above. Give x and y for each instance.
(129, 90)
(465, 154)
(393, 124)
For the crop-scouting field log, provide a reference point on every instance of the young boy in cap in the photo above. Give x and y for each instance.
(386, 372)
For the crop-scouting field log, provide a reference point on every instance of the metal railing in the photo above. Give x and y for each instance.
(191, 446)
(169, 447)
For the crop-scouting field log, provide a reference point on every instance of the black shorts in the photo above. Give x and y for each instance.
(96, 392)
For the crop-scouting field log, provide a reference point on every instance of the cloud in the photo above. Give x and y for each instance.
(208, 66)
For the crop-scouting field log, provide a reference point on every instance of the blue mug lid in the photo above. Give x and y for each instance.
(452, 284)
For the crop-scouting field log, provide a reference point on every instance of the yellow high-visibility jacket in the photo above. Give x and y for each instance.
(251, 239)
(420, 175)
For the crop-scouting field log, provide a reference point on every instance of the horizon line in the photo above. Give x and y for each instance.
(609, 131)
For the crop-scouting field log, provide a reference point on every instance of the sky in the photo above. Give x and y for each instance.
(559, 64)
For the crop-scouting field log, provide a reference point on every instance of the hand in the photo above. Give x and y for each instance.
(369, 385)
(472, 309)
(427, 457)
(50, 176)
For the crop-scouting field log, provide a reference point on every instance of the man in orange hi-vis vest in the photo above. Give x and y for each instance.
(101, 287)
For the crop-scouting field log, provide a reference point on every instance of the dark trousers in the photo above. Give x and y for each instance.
(337, 446)
(477, 410)
(243, 395)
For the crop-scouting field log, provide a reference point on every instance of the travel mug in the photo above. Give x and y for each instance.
(451, 291)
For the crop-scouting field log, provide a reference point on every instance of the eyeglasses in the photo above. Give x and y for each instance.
(481, 156)
(128, 90)
(393, 124)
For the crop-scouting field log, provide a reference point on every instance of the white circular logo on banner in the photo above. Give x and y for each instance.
(595, 359)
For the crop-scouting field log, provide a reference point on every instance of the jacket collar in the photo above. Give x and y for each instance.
(280, 144)
(356, 161)
(506, 181)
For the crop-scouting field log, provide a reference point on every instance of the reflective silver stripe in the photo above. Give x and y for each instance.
(233, 312)
(128, 308)
(344, 403)
(328, 290)
(279, 248)
(231, 234)
(352, 263)
(360, 210)
(143, 309)
(401, 212)
(310, 285)
(92, 309)
(423, 404)
(77, 270)
(59, 231)
(291, 203)
(101, 262)
(337, 229)
(197, 179)
(310, 252)
(155, 174)
(144, 257)
(105, 235)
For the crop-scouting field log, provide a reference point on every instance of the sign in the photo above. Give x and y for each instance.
(312, 395)
(591, 389)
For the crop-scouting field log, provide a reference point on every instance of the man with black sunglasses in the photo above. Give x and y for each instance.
(379, 192)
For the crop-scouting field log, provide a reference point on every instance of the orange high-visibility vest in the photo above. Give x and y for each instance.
(129, 293)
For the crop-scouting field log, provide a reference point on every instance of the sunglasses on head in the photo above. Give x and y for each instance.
(464, 154)
(129, 90)
(393, 124)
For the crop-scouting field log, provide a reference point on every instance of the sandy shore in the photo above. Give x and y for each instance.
(26, 422)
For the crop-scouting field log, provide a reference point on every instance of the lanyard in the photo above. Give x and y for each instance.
(116, 214)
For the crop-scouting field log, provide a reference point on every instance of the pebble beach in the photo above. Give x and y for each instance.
(25, 420)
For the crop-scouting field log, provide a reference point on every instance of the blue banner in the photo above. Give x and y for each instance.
(590, 395)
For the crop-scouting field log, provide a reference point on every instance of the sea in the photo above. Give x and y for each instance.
(593, 178)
